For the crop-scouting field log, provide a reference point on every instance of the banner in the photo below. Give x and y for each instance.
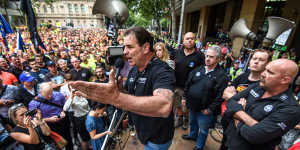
(26, 7)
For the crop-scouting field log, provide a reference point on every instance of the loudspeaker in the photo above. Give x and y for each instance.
(240, 29)
(113, 9)
(277, 26)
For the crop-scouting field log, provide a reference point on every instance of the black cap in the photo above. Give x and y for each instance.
(50, 63)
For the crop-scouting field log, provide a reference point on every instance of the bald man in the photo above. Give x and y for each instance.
(265, 111)
(186, 59)
(51, 105)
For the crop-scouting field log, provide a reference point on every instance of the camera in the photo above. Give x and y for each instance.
(113, 53)
(31, 112)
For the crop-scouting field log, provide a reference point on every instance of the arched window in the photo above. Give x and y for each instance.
(70, 8)
(45, 8)
(76, 8)
(52, 9)
(82, 8)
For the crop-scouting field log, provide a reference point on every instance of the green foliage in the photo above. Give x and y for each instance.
(37, 4)
(164, 23)
(49, 2)
(143, 11)
(137, 20)
(153, 9)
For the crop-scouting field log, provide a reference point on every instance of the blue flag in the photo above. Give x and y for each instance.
(20, 41)
(5, 25)
(3, 33)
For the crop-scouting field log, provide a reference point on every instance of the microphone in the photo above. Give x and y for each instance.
(119, 64)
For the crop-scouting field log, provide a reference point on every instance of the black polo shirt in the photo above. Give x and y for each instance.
(83, 74)
(157, 74)
(16, 71)
(276, 115)
(185, 64)
(242, 81)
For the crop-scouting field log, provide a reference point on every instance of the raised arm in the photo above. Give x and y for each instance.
(158, 105)
(32, 138)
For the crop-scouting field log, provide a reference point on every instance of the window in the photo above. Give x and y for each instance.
(76, 8)
(45, 8)
(52, 9)
(82, 8)
(70, 8)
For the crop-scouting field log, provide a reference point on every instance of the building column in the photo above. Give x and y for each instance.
(228, 15)
(253, 12)
(203, 21)
(291, 11)
(186, 23)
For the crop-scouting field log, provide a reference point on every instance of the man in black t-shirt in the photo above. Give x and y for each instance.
(261, 114)
(100, 74)
(186, 59)
(54, 76)
(150, 86)
(79, 73)
(202, 94)
(257, 65)
(16, 68)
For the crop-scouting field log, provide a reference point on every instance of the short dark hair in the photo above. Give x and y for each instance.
(98, 105)
(68, 77)
(31, 60)
(141, 35)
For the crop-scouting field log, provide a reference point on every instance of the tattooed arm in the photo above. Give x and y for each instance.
(158, 105)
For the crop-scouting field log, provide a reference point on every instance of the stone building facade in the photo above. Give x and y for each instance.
(72, 13)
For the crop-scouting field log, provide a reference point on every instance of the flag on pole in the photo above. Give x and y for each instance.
(3, 50)
(5, 25)
(26, 6)
(5, 29)
(3, 34)
(20, 41)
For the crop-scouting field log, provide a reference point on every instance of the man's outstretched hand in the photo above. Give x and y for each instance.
(106, 93)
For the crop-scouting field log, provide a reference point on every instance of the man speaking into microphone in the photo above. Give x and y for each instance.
(150, 86)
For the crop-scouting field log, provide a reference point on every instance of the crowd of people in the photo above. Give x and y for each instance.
(69, 89)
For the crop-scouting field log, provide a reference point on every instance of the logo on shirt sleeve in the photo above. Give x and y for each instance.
(191, 64)
(268, 108)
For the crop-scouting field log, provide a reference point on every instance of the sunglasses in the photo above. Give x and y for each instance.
(16, 106)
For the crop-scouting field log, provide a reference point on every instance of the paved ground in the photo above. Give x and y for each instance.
(178, 142)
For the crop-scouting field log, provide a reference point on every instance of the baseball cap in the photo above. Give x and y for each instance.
(26, 77)
(237, 61)
(50, 63)
(51, 52)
